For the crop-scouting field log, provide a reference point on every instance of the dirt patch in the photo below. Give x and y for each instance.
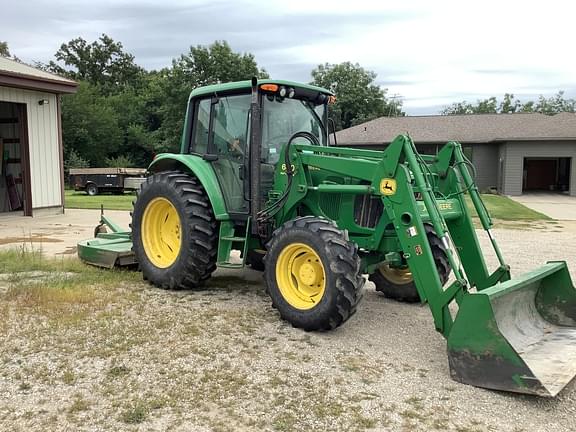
(29, 239)
(70, 250)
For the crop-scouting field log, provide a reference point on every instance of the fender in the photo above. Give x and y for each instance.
(201, 169)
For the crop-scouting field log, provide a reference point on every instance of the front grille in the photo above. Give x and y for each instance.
(330, 205)
(367, 210)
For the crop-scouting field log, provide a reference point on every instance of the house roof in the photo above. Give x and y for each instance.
(20, 75)
(470, 128)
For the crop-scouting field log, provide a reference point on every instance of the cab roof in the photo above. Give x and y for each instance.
(239, 85)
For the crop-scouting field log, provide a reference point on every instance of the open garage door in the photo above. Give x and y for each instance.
(15, 192)
(546, 174)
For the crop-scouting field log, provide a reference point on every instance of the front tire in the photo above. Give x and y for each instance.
(398, 283)
(312, 271)
(174, 231)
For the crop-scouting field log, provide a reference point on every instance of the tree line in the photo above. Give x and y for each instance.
(510, 105)
(123, 114)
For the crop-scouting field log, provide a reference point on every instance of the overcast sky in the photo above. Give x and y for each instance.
(430, 53)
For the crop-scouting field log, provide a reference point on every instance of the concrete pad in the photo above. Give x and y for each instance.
(556, 206)
(54, 235)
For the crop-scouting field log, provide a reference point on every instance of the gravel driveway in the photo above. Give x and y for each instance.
(220, 360)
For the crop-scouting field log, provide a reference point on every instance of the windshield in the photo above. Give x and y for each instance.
(283, 117)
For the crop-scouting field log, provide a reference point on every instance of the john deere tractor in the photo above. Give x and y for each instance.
(256, 174)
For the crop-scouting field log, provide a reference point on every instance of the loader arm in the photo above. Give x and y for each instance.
(508, 334)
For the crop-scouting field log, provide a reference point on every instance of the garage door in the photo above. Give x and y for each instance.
(540, 174)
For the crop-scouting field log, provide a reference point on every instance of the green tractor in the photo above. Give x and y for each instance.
(256, 174)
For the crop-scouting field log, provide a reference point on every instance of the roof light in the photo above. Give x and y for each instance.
(332, 100)
(269, 87)
(291, 92)
(282, 91)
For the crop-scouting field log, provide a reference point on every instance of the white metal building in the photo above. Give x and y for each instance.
(31, 157)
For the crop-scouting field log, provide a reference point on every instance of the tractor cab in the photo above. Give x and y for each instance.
(220, 121)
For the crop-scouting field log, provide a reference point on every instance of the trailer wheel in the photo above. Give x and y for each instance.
(174, 231)
(313, 273)
(91, 189)
(398, 283)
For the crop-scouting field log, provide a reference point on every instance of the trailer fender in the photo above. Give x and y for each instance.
(200, 169)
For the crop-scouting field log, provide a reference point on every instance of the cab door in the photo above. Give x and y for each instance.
(221, 134)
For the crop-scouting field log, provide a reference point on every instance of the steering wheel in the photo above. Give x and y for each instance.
(303, 134)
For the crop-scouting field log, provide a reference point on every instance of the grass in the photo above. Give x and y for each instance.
(135, 414)
(80, 404)
(504, 208)
(54, 285)
(499, 207)
(81, 200)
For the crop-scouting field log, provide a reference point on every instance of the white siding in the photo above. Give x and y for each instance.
(515, 153)
(43, 142)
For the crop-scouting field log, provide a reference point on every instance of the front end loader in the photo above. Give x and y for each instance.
(256, 174)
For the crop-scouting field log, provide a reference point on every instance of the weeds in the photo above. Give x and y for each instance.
(135, 414)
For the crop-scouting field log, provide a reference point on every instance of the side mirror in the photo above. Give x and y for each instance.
(332, 130)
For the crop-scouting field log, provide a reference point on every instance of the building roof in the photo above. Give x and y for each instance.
(469, 128)
(20, 75)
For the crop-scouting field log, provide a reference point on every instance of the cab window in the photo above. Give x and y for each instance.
(229, 141)
(201, 126)
(282, 118)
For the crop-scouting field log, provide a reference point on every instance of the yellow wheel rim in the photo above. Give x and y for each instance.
(300, 276)
(161, 232)
(396, 275)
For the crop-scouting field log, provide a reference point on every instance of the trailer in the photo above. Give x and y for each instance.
(112, 180)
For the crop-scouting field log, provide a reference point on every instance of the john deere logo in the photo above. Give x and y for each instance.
(387, 186)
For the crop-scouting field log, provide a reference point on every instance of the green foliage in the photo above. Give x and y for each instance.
(555, 104)
(510, 104)
(74, 160)
(102, 63)
(200, 66)
(121, 161)
(122, 111)
(90, 125)
(4, 51)
(358, 98)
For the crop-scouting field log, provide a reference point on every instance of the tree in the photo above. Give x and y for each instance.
(202, 65)
(510, 105)
(4, 51)
(75, 161)
(102, 63)
(358, 98)
(555, 104)
(121, 161)
(90, 125)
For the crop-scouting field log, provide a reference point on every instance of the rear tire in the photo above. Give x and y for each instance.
(174, 231)
(313, 273)
(398, 284)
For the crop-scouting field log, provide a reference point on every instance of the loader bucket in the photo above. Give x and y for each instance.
(519, 335)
